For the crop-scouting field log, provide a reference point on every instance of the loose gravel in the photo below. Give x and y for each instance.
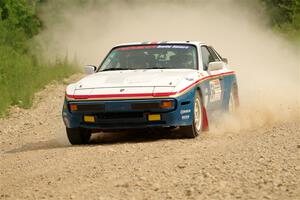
(37, 162)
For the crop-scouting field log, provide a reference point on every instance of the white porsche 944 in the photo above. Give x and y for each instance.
(147, 85)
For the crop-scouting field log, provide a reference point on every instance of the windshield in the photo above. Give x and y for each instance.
(166, 56)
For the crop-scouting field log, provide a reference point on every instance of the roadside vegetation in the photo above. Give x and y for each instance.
(22, 72)
(284, 17)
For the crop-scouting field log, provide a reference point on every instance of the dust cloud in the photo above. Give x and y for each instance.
(267, 66)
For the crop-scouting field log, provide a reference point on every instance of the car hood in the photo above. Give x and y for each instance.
(132, 83)
(134, 78)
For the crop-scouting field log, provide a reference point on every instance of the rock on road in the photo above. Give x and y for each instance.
(37, 162)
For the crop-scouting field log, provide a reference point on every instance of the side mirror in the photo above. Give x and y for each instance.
(225, 60)
(212, 66)
(90, 69)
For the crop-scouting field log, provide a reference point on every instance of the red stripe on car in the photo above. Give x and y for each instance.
(157, 94)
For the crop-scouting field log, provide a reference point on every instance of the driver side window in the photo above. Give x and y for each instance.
(206, 57)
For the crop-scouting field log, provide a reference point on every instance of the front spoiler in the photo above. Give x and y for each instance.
(180, 115)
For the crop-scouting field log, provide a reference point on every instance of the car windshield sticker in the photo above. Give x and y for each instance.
(137, 47)
(173, 46)
(153, 47)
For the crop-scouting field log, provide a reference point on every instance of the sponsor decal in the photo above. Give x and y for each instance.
(137, 47)
(173, 46)
(185, 117)
(164, 46)
(215, 90)
(185, 111)
(189, 79)
(206, 95)
(153, 47)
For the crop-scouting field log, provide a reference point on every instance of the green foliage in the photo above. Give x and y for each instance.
(282, 11)
(21, 76)
(20, 15)
(20, 73)
(285, 17)
(18, 23)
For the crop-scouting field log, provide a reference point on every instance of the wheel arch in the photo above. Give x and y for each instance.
(205, 125)
(235, 92)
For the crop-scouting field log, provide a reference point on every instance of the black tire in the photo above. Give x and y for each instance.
(78, 135)
(194, 130)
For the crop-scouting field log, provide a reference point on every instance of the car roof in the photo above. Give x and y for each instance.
(160, 42)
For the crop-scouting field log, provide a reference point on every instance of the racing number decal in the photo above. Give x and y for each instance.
(215, 90)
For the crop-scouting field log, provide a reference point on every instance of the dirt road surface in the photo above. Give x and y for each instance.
(37, 162)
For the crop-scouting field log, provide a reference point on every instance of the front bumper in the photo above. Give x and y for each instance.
(126, 114)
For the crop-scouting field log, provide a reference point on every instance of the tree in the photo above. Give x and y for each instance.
(283, 12)
(20, 15)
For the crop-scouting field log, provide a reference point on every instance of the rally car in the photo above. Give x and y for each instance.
(170, 85)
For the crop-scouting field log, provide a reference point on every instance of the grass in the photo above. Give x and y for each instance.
(21, 76)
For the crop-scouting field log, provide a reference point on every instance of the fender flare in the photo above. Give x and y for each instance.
(205, 125)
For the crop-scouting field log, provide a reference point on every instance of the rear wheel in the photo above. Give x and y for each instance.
(194, 130)
(78, 135)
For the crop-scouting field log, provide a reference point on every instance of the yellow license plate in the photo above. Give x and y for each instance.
(88, 118)
(154, 117)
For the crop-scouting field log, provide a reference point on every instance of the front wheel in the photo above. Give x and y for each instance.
(78, 135)
(194, 130)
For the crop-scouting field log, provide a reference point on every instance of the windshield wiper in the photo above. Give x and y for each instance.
(113, 69)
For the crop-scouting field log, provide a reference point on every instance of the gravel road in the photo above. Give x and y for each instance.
(37, 162)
